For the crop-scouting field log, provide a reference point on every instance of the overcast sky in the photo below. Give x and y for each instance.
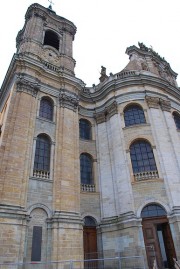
(104, 30)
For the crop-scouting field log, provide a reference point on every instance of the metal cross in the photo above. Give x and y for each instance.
(51, 3)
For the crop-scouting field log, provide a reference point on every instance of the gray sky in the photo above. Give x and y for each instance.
(104, 30)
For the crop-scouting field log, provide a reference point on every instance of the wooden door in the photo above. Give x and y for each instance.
(169, 246)
(90, 243)
(151, 243)
(153, 249)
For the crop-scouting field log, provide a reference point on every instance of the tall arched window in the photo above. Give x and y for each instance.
(86, 164)
(142, 157)
(177, 120)
(46, 109)
(42, 153)
(134, 114)
(51, 39)
(85, 129)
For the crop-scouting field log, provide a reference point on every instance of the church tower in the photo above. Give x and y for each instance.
(39, 131)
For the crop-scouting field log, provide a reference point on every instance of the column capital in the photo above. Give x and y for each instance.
(165, 105)
(153, 102)
(29, 87)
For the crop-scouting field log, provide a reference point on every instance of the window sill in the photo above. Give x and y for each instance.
(44, 119)
(86, 140)
(147, 181)
(136, 125)
(41, 179)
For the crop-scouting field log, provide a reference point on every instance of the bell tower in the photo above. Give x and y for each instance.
(39, 152)
(47, 38)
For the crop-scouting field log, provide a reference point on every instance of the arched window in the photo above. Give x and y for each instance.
(142, 157)
(51, 39)
(134, 114)
(153, 210)
(86, 164)
(42, 153)
(85, 129)
(177, 120)
(46, 109)
(89, 222)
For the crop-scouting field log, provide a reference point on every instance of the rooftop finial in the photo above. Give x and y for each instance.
(51, 3)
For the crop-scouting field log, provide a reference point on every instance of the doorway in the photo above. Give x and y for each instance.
(157, 237)
(90, 242)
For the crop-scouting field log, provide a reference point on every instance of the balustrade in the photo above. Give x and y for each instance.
(146, 175)
(41, 174)
(88, 187)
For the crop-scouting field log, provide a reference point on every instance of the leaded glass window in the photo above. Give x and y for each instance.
(153, 210)
(177, 120)
(85, 129)
(86, 169)
(42, 154)
(46, 109)
(134, 114)
(142, 157)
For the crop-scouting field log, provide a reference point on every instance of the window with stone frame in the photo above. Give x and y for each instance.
(142, 157)
(51, 39)
(134, 114)
(177, 120)
(46, 108)
(86, 166)
(42, 153)
(85, 129)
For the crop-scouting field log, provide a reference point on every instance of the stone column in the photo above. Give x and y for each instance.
(107, 192)
(120, 170)
(67, 233)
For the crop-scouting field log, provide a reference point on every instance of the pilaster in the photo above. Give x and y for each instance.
(17, 141)
(66, 191)
(166, 155)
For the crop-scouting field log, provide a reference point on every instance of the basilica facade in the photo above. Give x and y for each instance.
(87, 172)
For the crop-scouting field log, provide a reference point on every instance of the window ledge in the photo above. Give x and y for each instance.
(44, 119)
(41, 179)
(136, 125)
(86, 140)
(147, 181)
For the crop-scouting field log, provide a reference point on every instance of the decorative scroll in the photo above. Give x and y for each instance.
(28, 87)
(68, 100)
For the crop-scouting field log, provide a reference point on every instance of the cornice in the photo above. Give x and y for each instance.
(133, 80)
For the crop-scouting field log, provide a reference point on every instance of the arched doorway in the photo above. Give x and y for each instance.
(90, 238)
(157, 236)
